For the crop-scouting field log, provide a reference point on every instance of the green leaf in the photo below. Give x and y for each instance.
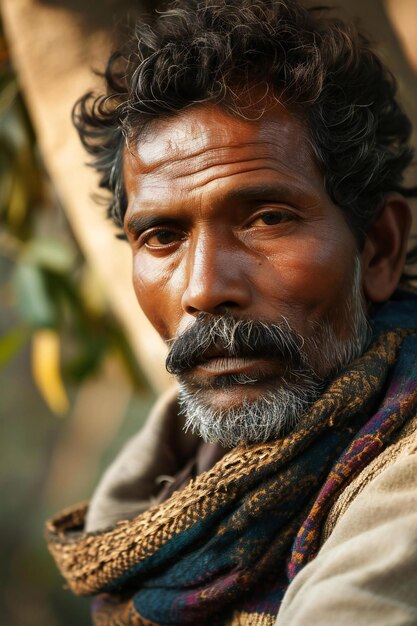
(51, 254)
(33, 300)
(11, 343)
(91, 353)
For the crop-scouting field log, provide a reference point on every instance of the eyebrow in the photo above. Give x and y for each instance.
(138, 224)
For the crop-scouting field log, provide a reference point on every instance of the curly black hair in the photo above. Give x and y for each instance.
(213, 50)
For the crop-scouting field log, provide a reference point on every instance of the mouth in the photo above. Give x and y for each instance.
(253, 367)
(225, 378)
(216, 363)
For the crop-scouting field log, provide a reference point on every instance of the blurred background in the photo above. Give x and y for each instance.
(79, 364)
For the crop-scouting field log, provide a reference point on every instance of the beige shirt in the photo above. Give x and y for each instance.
(365, 573)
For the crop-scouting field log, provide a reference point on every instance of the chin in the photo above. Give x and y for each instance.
(244, 415)
(231, 399)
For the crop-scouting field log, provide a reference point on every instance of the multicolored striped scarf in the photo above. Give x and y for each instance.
(224, 549)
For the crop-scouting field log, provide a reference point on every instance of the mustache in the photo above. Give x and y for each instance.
(226, 336)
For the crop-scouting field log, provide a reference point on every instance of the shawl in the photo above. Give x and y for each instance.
(224, 549)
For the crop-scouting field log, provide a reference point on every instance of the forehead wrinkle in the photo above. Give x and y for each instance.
(199, 178)
(289, 185)
(173, 155)
(197, 141)
(199, 185)
(279, 169)
(214, 162)
(211, 165)
(232, 168)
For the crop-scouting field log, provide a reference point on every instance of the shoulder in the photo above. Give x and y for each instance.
(404, 445)
(366, 570)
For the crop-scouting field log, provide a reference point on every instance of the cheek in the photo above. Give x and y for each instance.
(158, 291)
(315, 275)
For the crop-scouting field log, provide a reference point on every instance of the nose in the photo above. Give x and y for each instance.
(216, 278)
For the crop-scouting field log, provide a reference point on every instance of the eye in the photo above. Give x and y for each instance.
(161, 238)
(272, 218)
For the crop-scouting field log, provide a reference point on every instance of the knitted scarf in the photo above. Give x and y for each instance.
(224, 549)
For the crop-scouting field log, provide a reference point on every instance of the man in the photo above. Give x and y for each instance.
(255, 154)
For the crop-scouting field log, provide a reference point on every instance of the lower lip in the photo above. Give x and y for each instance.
(220, 366)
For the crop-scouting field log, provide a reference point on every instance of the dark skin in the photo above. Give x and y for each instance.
(227, 214)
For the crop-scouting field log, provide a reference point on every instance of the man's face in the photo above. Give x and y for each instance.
(232, 216)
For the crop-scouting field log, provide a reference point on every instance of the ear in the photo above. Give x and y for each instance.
(385, 249)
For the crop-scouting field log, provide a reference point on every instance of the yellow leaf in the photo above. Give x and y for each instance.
(46, 370)
(18, 202)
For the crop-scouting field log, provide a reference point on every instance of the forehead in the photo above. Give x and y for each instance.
(205, 149)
